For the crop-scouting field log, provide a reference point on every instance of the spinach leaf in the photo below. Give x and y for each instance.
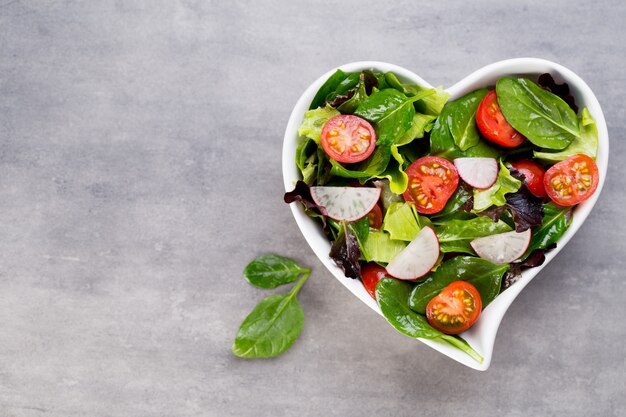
(482, 274)
(271, 271)
(454, 134)
(495, 195)
(346, 253)
(379, 247)
(272, 327)
(462, 195)
(562, 90)
(586, 143)
(456, 235)
(328, 87)
(392, 296)
(348, 102)
(542, 117)
(314, 121)
(556, 220)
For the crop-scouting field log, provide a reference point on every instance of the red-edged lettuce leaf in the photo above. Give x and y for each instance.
(302, 193)
(346, 253)
(514, 273)
(527, 209)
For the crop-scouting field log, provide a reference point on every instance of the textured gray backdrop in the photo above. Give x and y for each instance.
(140, 148)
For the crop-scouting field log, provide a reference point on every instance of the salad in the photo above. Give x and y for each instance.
(435, 205)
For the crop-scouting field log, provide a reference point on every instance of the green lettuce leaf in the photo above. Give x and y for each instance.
(495, 195)
(402, 221)
(314, 121)
(379, 247)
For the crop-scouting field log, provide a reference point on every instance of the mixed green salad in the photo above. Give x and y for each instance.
(435, 205)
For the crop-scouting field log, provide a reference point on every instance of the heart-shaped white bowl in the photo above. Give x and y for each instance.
(482, 335)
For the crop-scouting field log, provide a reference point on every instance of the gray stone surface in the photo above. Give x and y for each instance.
(140, 148)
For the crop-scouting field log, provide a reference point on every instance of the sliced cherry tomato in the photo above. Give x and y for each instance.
(571, 181)
(348, 138)
(533, 176)
(493, 125)
(432, 180)
(375, 217)
(370, 275)
(455, 309)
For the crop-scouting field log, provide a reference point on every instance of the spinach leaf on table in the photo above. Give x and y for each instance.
(272, 327)
(271, 271)
(392, 296)
(542, 117)
(482, 274)
(586, 143)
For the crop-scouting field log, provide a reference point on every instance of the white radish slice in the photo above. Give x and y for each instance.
(480, 173)
(418, 258)
(502, 248)
(346, 203)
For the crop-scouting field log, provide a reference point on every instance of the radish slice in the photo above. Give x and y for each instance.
(418, 258)
(480, 173)
(346, 203)
(502, 248)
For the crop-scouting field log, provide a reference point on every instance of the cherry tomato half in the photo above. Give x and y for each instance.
(432, 180)
(375, 217)
(571, 181)
(533, 176)
(493, 125)
(455, 309)
(348, 139)
(370, 275)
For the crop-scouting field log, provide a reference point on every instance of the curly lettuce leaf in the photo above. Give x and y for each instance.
(314, 121)
(345, 252)
(495, 195)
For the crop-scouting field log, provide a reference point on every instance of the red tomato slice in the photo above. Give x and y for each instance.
(370, 275)
(493, 125)
(533, 174)
(571, 181)
(375, 217)
(455, 309)
(432, 180)
(348, 138)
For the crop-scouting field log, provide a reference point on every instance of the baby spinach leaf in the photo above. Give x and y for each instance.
(272, 327)
(454, 134)
(392, 296)
(461, 195)
(542, 117)
(495, 195)
(462, 120)
(556, 220)
(482, 274)
(271, 271)
(456, 235)
(562, 90)
(586, 143)
(328, 87)
(314, 121)
(379, 247)
(346, 253)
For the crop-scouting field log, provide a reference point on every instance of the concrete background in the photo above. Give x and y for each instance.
(140, 171)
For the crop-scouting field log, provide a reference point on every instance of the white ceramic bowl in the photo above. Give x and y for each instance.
(482, 335)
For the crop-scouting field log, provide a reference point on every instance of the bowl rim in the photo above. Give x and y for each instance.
(482, 335)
